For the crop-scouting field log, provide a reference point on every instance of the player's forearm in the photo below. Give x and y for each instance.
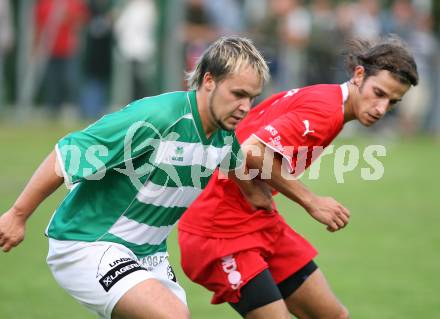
(246, 185)
(293, 189)
(256, 192)
(42, 184)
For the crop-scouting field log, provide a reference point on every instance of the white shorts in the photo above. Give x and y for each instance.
(98, 274)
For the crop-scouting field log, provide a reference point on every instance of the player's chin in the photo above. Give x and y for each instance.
(368, 121)
(231, 124)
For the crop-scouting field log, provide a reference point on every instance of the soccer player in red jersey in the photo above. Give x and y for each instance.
(250, 257)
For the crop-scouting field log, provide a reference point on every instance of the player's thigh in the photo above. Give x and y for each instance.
(261, 298)
(99, 274)
(160, 297)
(315, 299)
(150, 299)
(291, 252)
(222, 266)
(274, 310)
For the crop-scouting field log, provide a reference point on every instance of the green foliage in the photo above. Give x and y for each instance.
(383, 265)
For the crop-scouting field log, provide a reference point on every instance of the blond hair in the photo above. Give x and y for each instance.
(225, 57)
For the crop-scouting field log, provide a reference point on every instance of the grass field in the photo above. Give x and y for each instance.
(385, 264)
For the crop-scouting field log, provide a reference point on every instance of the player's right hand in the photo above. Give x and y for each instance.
(12, 230)
(329, 212)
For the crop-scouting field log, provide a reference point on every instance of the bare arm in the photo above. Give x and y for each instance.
(43, 183)
(326, 210)
(257, 193)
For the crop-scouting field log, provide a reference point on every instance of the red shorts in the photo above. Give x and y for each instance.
(224, 265)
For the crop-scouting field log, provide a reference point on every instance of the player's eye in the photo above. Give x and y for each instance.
(379, 93)
(239, 94)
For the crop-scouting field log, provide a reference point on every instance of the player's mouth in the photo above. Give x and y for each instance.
(236, 119)
(373, 118)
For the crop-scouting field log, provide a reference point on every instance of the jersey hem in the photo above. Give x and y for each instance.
(225, 235)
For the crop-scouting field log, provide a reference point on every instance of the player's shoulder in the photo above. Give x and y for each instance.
(329, 95)
(321, 100)
(163, 109)
(320, 108)
(166, 102)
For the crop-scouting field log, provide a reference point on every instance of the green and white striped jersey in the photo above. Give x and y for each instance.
(134, 172)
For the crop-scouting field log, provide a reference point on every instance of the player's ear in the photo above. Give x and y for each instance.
(209, 81)
(358, 76)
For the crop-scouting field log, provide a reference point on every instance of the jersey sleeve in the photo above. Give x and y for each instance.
(109, 142)
(292, 136)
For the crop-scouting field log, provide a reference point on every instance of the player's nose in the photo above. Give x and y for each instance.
(245, 105)
(382, 108)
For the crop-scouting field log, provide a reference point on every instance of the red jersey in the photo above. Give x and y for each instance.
(293, 124)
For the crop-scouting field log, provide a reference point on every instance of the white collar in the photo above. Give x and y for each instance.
(344, 89)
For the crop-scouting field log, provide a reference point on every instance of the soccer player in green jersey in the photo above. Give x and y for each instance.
(131, 176)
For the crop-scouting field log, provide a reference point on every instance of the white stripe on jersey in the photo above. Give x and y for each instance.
(166, 196)
(139, 234)
(188, 154)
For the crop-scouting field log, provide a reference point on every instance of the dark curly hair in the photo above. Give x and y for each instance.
(389, 53)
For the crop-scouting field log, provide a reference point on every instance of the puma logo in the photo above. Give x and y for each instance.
(308, 130)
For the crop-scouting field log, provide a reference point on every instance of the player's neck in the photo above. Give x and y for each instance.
(349, 114)
(205, 116)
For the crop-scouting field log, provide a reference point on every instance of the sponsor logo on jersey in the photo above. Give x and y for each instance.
(291, 93)
(118, 261)
(272, 130)
(229, 266)
(308, 130)
(170, 273)
(275, 139)
(117, 273)
(178, 154)
(276, 142)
